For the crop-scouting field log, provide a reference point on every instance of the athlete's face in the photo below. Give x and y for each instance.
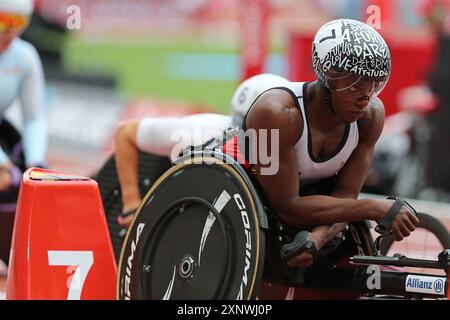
(352, 93)
(350, 111)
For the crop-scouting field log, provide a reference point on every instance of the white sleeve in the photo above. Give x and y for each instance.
(168, 136)
(32, 97)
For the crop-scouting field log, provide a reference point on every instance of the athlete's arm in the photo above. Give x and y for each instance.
(275, 110)
(32, 98)
(127, 154)
(151, 135)
(164, 136)
(351, 177)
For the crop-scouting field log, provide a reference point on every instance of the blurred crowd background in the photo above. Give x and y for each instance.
(167, 57)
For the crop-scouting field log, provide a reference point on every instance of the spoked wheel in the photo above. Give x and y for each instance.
(196, 236)
(426, 242)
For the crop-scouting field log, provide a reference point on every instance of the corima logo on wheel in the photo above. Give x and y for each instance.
(248, 245)
(130, 259)
(425, 284)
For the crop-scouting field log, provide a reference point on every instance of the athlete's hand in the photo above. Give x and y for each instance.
(404, 222)
(305, 259)
(320, 235)
(130, 205)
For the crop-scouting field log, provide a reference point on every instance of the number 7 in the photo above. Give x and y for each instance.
(82, 259)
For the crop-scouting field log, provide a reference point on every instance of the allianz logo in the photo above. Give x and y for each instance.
(425, 284)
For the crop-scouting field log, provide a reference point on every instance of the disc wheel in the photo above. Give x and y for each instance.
(195, 236)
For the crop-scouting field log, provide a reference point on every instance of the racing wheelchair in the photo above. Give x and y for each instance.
(205, 231)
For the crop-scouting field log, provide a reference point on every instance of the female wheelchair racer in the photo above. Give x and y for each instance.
(343, 118)
(204, 231)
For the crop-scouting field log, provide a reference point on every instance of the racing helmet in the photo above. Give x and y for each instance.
(15, 14)
(247, 92)
(346, 54)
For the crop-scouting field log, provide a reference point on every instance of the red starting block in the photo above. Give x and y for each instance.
(61, 248)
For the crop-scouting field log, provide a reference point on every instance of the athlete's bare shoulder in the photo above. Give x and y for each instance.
(276, 109)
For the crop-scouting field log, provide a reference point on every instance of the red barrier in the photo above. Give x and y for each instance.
(61, 248)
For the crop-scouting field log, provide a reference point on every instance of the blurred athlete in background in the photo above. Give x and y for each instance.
(21, 77)
(167, 136)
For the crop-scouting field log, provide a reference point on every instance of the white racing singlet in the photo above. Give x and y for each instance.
(167, 136)
(310, 168)
(21, 76)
